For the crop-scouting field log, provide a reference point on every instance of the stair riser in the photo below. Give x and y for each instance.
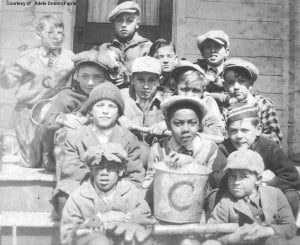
(27, 196)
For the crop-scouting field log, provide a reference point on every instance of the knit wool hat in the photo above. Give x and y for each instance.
(105, 90)
(245, 159)
(241, 111)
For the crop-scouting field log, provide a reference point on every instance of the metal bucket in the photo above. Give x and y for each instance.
(179, 196)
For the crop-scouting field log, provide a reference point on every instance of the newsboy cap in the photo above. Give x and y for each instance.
(184, 66)
(125, 7)
(112, 152)
(218, 36)
(245, 159)
(146, 64)
(250, 68)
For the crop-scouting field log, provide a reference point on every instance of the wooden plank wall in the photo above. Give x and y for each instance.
(258, 31)
(17, 32)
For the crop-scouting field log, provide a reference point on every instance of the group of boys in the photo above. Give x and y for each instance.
(131, 105)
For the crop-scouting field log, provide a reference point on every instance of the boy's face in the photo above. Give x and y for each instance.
(237, 85)
(51, 37)
(105, 114)
(193, 89)
(126, 24)
(106, 177)
(167, 58)
(242, 182)
(184, 125)
(243, 133)
(145, 84)
(90, 76)
(214, 53)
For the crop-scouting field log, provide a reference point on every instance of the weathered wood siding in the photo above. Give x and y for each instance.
(258, 31)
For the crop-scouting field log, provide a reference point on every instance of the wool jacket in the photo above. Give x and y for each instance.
(71, 161)
(85, 203)
(276, 211)
(138, 46)
(275, 160)
(34, 79)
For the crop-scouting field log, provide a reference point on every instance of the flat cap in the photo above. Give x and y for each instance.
(146, 64)
(216, 35)
(184, 66)
(111, 152)
(180, 101)
(245, 159)
(250, 68)
(125, 7)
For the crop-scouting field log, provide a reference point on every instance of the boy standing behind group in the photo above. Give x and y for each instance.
(127, 44)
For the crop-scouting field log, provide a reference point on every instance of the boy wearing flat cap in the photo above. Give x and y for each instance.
(143, 98)
(214, 48)
(104, 105)
(262, 212)
(105, 200)
(239, 76)
(128, 44)
(90, 71)
(245, 132)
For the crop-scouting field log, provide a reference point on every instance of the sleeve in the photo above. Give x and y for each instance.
(71, 219)
(11, 77)
(285, 225)
(270, 122)
(73, 165)
(218, 169)
(135, 170)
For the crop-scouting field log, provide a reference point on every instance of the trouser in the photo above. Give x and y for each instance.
(29, 139)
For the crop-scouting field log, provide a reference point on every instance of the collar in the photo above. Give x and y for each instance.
(173, 145)
(136, 39)
(87, 189)
(250, 99)
(44, 52)
(218, 68)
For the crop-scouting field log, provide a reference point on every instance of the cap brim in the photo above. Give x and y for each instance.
(91, 61)
(178, 99)
(201, 41)
(180, 69)
(240, 67)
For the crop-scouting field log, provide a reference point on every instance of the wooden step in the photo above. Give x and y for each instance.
(25, 189)
(28, 228)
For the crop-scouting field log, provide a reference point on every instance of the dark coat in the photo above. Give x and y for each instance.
(73, 168)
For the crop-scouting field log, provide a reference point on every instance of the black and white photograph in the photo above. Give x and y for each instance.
(149, 122)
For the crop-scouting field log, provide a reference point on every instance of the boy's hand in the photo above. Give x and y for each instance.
(158, 128)
(71, 121)
(176, 160)
(267, 176)
(255, 232)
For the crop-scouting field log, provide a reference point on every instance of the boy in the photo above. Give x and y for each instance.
(105, 198)
(143, 99)
(190, 81)
(90, 71)
(165, 52)
(128, 44)
(39, 74)
(104, 105)
(239, 76)
(245, 132)
(214, 48)
(262, 212)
